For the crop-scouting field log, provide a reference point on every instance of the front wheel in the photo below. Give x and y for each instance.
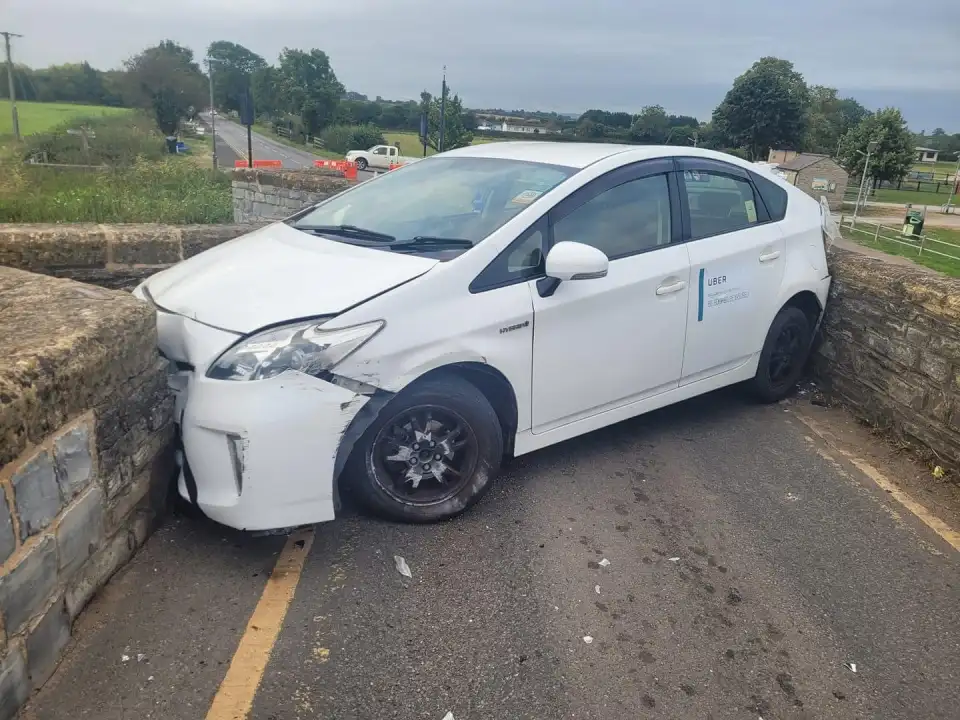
(432, 452)
(783, 356)
(361, 163)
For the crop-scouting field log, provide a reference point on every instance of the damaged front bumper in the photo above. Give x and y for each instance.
(263, 455)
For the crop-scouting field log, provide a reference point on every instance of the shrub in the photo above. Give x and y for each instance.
(120, 140)
(167, 191)
(343, 138)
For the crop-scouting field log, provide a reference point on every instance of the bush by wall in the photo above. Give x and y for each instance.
(343, 138)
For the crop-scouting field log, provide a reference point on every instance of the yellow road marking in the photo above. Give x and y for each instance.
(951, 536)
(234, 698)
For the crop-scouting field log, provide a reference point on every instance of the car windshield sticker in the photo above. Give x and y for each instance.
(716, 290)
(526, 197)
(751, 209)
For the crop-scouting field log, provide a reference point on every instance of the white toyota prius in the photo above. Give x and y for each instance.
(401, 338)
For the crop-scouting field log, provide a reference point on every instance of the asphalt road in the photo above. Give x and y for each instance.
(748, 564)
(265, 148)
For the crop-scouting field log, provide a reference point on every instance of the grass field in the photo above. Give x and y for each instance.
(40, 117)
(886, 243)
(913, 197)
(938, 169)
(410, 143)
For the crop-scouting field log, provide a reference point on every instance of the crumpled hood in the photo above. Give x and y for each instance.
(276, 274)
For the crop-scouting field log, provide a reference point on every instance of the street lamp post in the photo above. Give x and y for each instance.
(871, 146)
(213, 114)
(953, 188)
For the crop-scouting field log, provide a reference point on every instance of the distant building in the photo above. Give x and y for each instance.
(816, 175)
(515, 127)
(781, 156)
(926, 155)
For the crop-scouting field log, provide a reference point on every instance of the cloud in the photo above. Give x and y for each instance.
(555, 54)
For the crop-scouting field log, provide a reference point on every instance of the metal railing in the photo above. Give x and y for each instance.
(926, 243)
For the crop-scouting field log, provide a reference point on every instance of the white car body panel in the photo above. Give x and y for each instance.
(291, 274)
(594, 353)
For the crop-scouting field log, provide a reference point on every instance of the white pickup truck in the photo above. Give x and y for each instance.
(380, 157)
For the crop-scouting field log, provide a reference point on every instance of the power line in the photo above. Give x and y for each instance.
(13, 92)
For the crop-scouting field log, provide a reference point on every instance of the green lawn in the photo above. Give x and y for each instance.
(410, 143)
(886, 242)
(914, 197)
(39, 117)
(939, 168)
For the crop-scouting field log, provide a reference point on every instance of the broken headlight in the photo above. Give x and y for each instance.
(305, 347)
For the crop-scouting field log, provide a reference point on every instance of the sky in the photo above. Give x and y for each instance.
(557, 55)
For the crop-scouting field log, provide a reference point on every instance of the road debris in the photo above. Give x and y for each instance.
(402, 567)
(449, 716)
(124, 658)
(141, 657)
(603, 563)
(596, 589)
(938, 472)
(852, 667)
(587, 639)
(674, 559)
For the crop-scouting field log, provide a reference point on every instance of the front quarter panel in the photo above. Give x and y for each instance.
(434, 322)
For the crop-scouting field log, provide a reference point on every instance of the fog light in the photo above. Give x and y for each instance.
(235, 444)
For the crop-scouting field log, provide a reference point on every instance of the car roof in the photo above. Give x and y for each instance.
(582, 154)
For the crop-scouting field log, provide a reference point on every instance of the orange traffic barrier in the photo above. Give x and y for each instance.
(349, 169)
(393, 166)
(258, 163)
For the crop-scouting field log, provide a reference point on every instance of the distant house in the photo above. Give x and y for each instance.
(781, 156)
(515, 127)
(926, 155)
(816, 175)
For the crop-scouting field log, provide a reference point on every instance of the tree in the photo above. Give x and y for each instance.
(265, 88)
(455, 133)
(892, 157)
(233, 69)
(309, 88)
(829, 118)
(651, 125)
(166, 80)
(764, 109)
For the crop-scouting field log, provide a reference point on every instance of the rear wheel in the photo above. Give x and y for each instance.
(783, 356)
(361, 163)
(432, 452)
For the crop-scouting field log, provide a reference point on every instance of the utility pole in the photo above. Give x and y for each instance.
(443, 109)
(213, 114)
(13, 93)
(871, 146)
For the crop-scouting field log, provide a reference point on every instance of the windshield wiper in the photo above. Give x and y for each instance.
(430, 241)
(351, 231)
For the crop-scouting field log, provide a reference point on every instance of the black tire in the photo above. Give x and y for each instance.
(361, 163)
(381, 484)
(784, 355)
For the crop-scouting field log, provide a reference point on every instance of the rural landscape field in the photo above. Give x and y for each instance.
(93, 145)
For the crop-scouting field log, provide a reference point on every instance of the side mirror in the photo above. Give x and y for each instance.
(576, 261)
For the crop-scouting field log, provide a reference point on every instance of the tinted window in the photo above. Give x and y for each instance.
(522, 260)
(718, 203)
(773, 196)
(623, 220)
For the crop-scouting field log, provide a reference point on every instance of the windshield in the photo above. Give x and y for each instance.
(445, 197)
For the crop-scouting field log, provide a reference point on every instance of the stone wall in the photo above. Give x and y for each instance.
(85, 464)
(890, 351)
(262, 195)
(113, 256)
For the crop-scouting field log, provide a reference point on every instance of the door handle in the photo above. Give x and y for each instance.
(672, 288)
(767, 257)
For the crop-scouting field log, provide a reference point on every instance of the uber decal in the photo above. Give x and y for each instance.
(716, 291)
